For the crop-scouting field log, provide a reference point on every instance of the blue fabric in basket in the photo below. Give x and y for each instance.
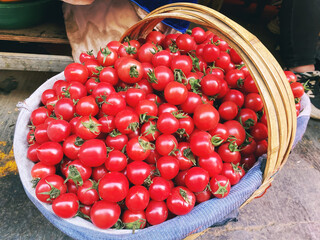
(149, 6)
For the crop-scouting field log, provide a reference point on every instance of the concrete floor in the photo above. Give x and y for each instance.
(289, 210)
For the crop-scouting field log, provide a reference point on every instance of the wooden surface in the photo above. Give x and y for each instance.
(51, 32)
(33, 62)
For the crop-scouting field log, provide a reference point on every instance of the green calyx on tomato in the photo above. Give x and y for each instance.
(216, 141)
(133, 126)
(179, 114)
(82, 215)
(35, 181)
(222, 189)
(152, 129)
(78, 142)
(74, 175)
(114, 133)
(152, 77)
(92, 126)
(139, 223)
(188, 154)
(184, 195)
(147, 182)
(145, 118)
(119, 224)
(179, 75)
(133, 71)
(105, 52)
(145, 145)
(53, 193)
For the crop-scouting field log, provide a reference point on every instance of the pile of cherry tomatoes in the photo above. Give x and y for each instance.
(146, 129)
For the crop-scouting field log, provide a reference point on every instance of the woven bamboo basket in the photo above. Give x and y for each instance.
(264, 68)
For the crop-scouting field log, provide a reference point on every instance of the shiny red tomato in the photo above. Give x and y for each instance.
(206, 117)
(87, 106)
(137, 199)
(200, 144)
(76, 72)
(113, 187)
(64, 109)
(105, 214)
(87, 193)
(138, 148)
(228, 110)
(50, 187)
(212, 164)
(134, 219)
(93, 153)
(127, 121)
(168, 167)
(181, 200)
(196, 179)
(175, 93)
(156, 212)
(166, 144)
(88, 127)
(41, 170)
(66, 205)
(159, 189)
(220, 186)
(50, 153)
(130, 70)
(138, 172)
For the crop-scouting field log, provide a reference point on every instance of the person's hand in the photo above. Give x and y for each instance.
(79, 2)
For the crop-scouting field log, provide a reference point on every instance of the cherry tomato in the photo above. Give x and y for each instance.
(87, 193)
(236, 131)
(259, 131)
(253, 101)
(138, 172)
(297, 89)
(65, 109)
(88, 127)
(133, 219)
(66, 205)
(232, 172)
(228, 110)
(203, 196)
(159, 189)
(196, 179)
(41, 170)
(41, 133)
(105, 214)
(198, 34)
(93, 153)
(76, 72)
(126, 121)
(50, 187)
(50, 153)
(210, 85)
(113, 187)
(130, 70)
(175, 93)
(87, 106)
(32, 152)
(106, 57)
(191, 102)
(181, 201)
(220, 186)
(138, 198)
(206, 117)
(138, 148)
(156, 212)
(58, 130)
(184, 156)
(116, 140)
(160, 77)
(200, 144)
(212, 164)
(234, 96)
(166, 144)
(39, 115)
(162, 58)
(185, 42)
(116, 161)
(168, 167)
